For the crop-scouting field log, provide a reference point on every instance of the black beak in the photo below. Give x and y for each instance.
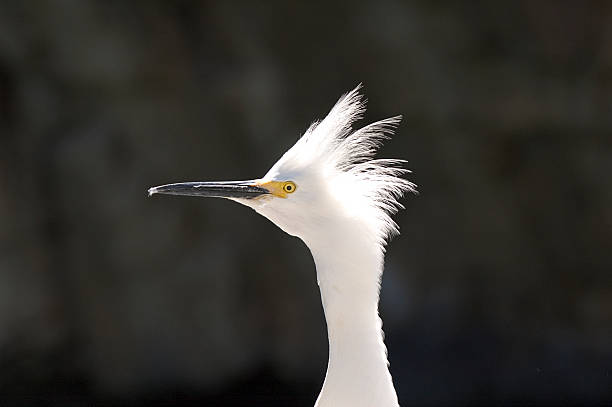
(222, 189)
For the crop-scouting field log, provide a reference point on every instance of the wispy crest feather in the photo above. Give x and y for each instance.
(346, 157)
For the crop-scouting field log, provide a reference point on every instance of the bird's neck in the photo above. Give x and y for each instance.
(348, 277)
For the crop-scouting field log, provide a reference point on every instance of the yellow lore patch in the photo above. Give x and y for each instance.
(279, 189)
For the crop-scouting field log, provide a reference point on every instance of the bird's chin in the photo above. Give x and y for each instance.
(265, 207)
(255, 203)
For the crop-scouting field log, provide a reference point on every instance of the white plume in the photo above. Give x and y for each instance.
(367, 185)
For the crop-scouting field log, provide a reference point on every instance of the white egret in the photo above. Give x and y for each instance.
(329, 191)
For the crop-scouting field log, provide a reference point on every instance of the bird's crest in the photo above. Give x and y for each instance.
(346, 158)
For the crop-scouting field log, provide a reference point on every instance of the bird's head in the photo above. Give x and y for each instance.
(329, 175)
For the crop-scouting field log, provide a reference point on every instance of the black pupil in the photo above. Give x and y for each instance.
(288, 187)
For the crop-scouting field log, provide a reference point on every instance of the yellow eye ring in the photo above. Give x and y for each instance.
(289, 187)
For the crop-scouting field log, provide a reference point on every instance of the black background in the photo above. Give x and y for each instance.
(499, 289)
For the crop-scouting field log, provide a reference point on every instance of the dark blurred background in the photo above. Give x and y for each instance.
(499, 289)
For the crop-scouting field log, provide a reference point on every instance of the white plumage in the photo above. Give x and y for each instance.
(330, 192)
(345, 158)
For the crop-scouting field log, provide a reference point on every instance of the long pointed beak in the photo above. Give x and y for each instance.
(221, 189)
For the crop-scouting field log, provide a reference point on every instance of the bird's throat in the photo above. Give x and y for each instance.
(357, 372)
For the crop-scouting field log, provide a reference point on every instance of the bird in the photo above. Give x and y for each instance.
(330, 191)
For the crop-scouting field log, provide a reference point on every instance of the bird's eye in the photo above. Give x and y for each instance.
(289, 187)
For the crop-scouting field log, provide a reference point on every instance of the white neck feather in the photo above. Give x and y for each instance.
(349, 276)
(341, 209)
